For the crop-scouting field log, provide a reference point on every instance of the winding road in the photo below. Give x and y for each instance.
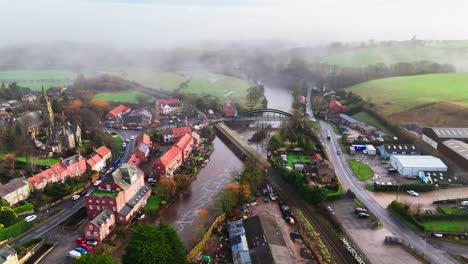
(349, 181)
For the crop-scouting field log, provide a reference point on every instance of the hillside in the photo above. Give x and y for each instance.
(433, 99)
(34, 79)
(451, 52)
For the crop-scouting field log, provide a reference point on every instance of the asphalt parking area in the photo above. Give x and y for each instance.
(64, 238)
(344, 209)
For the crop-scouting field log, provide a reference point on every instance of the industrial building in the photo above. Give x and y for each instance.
(436, 135)
(387, 150)
(411, 165)
(457, 151)
(255, 240)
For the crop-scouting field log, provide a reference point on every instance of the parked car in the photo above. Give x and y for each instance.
(76, 197)
(86, 247)
(464, 203)
(73, 254)
(358, 210)
(96, 183)
(92, 242)
(124, 145)
(80, 240)
(132, 137)
(412, 193)
(30, 218)
(272, 197)
(437, 235)
(338, 152)
(81, 250)
(141, 217)
(363, 215)
(127, 140)
(152, 180)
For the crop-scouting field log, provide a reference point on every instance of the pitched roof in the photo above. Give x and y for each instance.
(126, 175)
(181, 130)
(183, 141)
(132, 202)
(103, 151)
(451, 132)
(12, 186)
(6, 253)
(174, 102)
(169, 155)
(144, 138)
(348, 118)
(30, 119)
(94, 160)
(316, 157)
(58, 168)
(419, 161)
(118, 110)
(102, 217)
(460, 147)
(134, 160)
(335, 103)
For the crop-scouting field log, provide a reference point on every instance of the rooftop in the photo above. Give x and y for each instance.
(400, 148)
(419, 161)
(134, 200)
(102, 217)
(126, 175)
(102, 193)
(461, 148)
(451, 132)
(348, 118)
(12, 186)
(6, 253)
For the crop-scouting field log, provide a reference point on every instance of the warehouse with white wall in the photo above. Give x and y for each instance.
(410, 166)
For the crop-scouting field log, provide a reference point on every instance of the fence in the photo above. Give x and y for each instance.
(201, 245)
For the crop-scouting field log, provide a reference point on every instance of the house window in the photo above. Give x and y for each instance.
(90, 201)
(90, 207)
(99, 207)
(115, 209)
(103, 201)
(111, 202)
(95, 234)
(121, 218)
(91, 227)
(88, 233)
(97, 201)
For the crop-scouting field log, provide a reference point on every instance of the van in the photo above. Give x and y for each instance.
(73, 254)
(464, 203)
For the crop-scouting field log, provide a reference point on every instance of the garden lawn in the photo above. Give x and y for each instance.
(117, 146)
(34, 79)
(292, 158)
(41, 162)
(446, 226)
(153, 203)
(397, 94)
(370, 120)
(453, 211)
(361, 170)
(120, 97)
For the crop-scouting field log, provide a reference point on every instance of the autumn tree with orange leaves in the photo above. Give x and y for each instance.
(166, 187)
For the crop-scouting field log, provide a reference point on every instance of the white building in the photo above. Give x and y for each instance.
(410, 166)
(371, 150)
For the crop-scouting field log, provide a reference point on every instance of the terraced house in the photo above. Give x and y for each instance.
(124, 193)
(70, 167)
(15, 191)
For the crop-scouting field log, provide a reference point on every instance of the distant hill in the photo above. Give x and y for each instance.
(432, 99)
(444, 52)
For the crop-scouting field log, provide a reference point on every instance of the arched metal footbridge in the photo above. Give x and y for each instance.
(263, 114)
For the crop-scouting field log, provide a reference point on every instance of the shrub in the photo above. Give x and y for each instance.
(24, 208)
(403, 211)
(335, 195)
(423, 187)
(16, 229)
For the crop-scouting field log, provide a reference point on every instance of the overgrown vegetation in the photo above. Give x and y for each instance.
(15, 230)
(361, 170)
(24, 208)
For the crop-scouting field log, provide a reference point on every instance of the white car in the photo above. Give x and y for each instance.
(464, 203)
(30, 218)
(132, 137)
(96, 183)
(127, 140)
(75, 197)
(124, 145)
(141, 217)
(412, 193)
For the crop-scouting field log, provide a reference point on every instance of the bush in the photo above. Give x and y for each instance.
(335, 195)
(403, 211)
(15, 230)
(24, 208)
(22, 249)
(423, 187)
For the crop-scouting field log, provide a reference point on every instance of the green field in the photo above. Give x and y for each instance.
(361, 170)
(40, 162)
(198, 82)
(446, 226)
(34, 79)
(119, 97)
(394, 95)
(451, 52)
(370, 120)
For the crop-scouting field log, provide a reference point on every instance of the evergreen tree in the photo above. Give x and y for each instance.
(95, 259)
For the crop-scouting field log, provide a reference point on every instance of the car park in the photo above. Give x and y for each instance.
(412, 193)
(75, 197)
(30, 218)
(96, 183)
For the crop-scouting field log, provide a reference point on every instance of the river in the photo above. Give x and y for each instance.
(184, 214)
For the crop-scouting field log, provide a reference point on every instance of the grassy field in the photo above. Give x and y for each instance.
(453, 211)
(41, 162)
(370, 120)
(197, 82)
(34, 79)
(362, 171)
(451, 52)
(120, 97)
(446, 226)
(153, 203)
(430, 100)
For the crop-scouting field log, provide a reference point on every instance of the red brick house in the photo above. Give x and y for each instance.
(101, 226)
(335, 107)
(168, 163)
(69, 167)
(168, 106)
(143, 147)
(118, 112)
(185, 144)
(134, 160)
(124, 194)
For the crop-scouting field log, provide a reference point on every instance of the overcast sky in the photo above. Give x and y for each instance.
(165, 23)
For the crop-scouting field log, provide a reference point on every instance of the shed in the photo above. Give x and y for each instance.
(371, 150)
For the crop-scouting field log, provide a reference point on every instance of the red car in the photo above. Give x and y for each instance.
(80, 240)
(87, 247)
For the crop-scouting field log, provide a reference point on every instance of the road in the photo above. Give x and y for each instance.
(70, 207)
(309, 111)
(348, 180)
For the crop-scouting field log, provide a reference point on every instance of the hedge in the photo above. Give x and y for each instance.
(435, 217)
(335, 195)
(403, 211)
(23, 208)
(423, 187)
(450, 201)
(15, 230)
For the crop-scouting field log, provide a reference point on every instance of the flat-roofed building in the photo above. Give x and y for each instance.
(436, 135)
(387, 150)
